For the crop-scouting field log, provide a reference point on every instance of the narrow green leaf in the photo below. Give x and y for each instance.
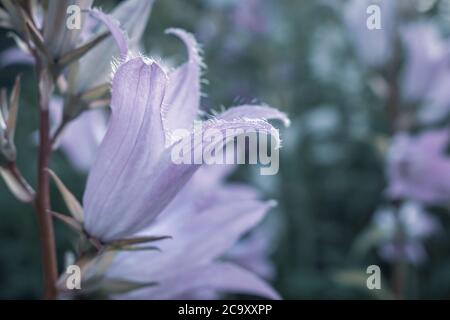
(118, 286)
(3, 108)
(137, 240)
(68, 220)
(17, 185)
(72, 203)
(13, 109)
(96, 92)
(77, 53)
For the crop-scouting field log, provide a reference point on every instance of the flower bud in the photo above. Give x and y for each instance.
(8, 117)
(58, 38)
(8, 170)
(7, 148)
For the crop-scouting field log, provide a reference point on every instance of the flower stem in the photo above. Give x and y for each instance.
(58, 132)
(399, 280)
(46, 233)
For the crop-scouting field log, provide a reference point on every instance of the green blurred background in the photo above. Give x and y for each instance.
(297, 58)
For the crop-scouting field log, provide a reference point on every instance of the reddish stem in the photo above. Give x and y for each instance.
(45, 222)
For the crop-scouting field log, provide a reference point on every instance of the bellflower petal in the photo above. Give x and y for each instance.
(231, 221)
(57, 37)
(129, 152)
(217, 277)
(14, 56)
(132, 15)
(135, 189)
(126, 149)
(182, 99)
(188, 244)
(196, 216)
(89, 127)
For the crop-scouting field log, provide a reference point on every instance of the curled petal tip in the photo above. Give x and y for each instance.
(256, 112)
(114, 28)
(189, 40)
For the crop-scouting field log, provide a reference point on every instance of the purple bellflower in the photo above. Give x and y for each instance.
(373, 47)
(146, 104)
(418, 167)
(415, 225)
(135, 190)
(426, 75)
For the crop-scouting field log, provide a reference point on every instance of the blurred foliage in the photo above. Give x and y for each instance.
(331, 172)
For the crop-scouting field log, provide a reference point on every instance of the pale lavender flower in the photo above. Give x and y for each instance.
(414, 224)
(134, 189)
(89, 127)
(14, 56)
(426, 75)
(131, 15)
(134, 146)
(250, 15)
(59, 39)
(373, 47)
(418, 167)
(252, 252)
(82, 136)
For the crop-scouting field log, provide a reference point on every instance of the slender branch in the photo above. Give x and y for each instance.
(394, 116)
(57, 133)
(45, 222)
(42, 198)
(400, 267)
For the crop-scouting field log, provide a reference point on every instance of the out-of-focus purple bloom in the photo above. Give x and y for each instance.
(252, 252)
(413, 223)
(250, 15)
(89, 127)
(373, 47)
(132, 16)
(418, 167)
(82, 136)
(14, 56)
(426, 76)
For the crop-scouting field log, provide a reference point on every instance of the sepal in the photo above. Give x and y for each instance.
(75, 208)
